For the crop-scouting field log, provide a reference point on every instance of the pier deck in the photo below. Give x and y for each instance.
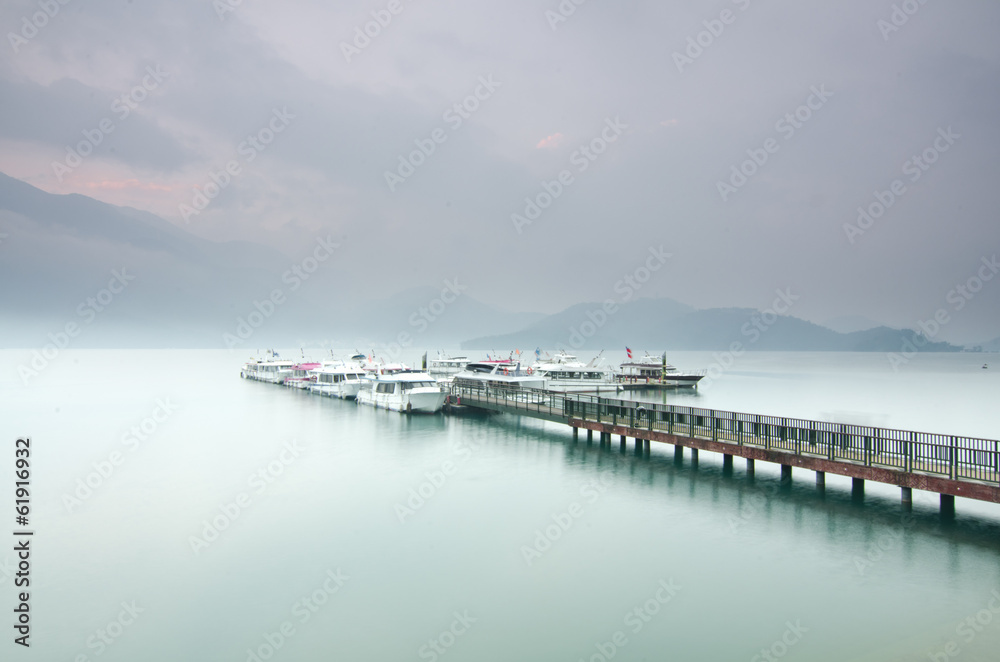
(947, 464)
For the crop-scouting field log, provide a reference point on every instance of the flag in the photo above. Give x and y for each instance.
(629, 352)
(538, 353)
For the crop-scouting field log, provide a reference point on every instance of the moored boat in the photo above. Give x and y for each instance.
(338, 379)
(654, 371)
(563, 372)
(404, 391)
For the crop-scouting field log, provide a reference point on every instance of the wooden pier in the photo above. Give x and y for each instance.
(946, 464)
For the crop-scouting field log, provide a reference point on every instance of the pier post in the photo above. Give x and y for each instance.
(645, 447)
(590, 436)
(576, 433)
(694, 457)
(821, 480)
(727, 463)
(749, 467)
(908, 498)
(858, 489)
(947, 506)
(623, 444)
(678, 453)
(786, 474)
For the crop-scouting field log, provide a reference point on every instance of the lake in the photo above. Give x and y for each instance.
(181, 512)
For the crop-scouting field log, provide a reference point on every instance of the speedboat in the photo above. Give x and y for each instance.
(403, 391)
(654, 371)
(338, 379)
(563, 372)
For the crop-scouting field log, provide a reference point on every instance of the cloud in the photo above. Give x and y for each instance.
(550, 141)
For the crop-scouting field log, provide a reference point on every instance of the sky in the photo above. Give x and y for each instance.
(541, 151)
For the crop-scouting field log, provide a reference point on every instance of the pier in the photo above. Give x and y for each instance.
(945, 464)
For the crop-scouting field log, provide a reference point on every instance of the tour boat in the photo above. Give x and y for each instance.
(403, 391)
(268, 369)
(655, 371)
(301, 375)
(447, 365)
(338, 379)
(563, 372)
(498, 374)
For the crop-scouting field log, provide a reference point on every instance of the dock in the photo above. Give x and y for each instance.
(948, 465)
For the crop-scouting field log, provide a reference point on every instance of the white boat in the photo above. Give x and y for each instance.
(268, 369)
(446, 366)
(654, 371)
(403, 391)
(498, 374)
(301, 375)
(563, 372)
(338, 379)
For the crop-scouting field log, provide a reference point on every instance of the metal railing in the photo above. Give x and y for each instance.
(950, 456)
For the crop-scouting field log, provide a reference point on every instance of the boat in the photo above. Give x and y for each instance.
(447, 366)
(301, 375)
(654, 372)
(338, 379)
(503, 374)
(268, 369)
(563, 372)
(407, 391)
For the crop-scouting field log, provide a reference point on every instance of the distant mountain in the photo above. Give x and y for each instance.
(664, 324)
(183, 291)
(850, 324)
(992, 346)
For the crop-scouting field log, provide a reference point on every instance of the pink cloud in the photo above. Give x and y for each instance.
(126, 184)
(551, 141)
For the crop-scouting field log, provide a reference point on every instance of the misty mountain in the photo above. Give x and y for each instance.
(664, 324)
(61, 252)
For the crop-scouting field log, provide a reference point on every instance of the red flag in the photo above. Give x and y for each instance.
(629, 352)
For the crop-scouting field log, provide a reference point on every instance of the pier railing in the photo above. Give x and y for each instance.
(949, 456)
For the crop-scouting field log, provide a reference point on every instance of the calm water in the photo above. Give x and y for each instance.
(529, 546)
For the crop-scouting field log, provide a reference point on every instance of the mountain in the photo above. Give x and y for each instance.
(664, 324)
(63, 254)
